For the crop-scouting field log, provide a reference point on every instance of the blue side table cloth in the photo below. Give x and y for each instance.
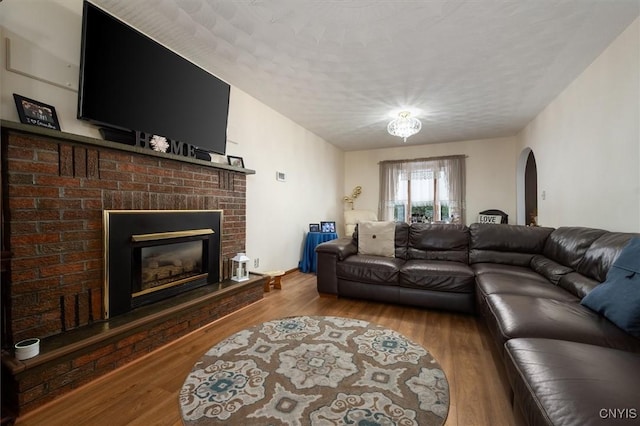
(309, 262)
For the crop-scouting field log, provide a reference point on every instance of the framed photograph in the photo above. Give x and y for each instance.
(314, 227)
(235, 161)
(36, 113)
(327, 226)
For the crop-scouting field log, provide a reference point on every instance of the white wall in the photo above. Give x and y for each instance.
(278, 213)
(587, 144)
(489, 163)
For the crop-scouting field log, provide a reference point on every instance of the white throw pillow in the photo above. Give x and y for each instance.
(377, 238)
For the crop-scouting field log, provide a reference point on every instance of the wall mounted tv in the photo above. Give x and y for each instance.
(131, 83)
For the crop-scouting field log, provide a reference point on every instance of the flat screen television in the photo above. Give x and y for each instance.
(130, 82)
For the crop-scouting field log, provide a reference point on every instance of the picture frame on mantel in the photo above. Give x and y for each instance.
(36, 113)
(235, 161)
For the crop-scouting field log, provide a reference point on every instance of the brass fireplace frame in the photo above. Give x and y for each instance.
(152, 236)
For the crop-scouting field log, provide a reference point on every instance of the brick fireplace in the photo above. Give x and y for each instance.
(55, 190)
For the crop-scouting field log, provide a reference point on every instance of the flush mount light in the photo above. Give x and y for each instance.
(404, 126)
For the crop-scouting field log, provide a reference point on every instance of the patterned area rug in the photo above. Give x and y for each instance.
(316, 371)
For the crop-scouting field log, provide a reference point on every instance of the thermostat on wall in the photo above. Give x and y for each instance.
(281, 176)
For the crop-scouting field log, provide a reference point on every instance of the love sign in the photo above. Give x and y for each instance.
(490, 218)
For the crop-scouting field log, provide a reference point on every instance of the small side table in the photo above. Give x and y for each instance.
(274, 280)
(309, 262)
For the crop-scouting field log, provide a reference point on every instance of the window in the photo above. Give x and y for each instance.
(424, 190)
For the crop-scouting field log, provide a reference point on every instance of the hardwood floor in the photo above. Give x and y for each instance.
(146, 391)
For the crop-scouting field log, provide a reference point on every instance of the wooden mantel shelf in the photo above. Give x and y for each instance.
(85, 140)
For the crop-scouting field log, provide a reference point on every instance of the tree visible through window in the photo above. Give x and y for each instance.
(425, 190)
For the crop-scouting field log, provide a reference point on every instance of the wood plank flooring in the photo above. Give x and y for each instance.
(145, 392)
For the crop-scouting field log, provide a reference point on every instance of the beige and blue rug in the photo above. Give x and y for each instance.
(316, 371)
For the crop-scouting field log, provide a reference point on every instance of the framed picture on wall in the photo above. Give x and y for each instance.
(327, 226)
(36, 113)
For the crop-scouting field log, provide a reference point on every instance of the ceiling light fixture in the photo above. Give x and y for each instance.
(404, 126)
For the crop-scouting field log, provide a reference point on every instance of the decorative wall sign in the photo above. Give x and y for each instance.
(490, 218)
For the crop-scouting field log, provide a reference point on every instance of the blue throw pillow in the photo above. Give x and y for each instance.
(618, 298)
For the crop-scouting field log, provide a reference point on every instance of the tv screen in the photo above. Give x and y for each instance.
(130, 82)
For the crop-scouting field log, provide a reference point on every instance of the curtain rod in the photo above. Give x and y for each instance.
(446, 157)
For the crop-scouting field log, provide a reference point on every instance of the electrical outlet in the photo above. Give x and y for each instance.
(256, 262)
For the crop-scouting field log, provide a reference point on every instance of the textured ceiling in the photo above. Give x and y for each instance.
(468, 69)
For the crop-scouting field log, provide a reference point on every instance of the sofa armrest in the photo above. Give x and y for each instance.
(341, 248)
(329, 254)
(327, 279)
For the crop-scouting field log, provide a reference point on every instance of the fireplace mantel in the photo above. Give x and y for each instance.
(85, 140)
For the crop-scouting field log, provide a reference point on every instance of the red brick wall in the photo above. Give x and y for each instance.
(35, 386)
(56, 193)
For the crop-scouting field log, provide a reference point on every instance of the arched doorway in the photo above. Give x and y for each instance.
(531, 190)
(527, 187)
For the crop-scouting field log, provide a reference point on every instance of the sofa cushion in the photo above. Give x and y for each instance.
(577, 284)
(549, 269)
(508, 244)
(376, 238)
(618, 298)
(437, 275)
(514, 316)
(600, 256)
(533, 285)
(438, 242)
(567, 245)
(501, 268)
(567, 383)
(370, 269)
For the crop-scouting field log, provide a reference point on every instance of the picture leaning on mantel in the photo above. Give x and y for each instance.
(235, 161)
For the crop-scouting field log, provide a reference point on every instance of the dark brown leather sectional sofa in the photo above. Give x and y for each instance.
(566, 364)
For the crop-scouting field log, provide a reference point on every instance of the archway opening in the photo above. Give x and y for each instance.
(527, 188)
(531, 190)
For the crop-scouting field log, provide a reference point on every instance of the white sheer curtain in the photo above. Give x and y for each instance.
(405, 180)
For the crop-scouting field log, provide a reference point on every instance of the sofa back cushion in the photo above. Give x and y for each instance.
(438, 242)
(402, 239)
(548, 268)
(506, 244)
(602, 253)
(567, 245)
(577, 284)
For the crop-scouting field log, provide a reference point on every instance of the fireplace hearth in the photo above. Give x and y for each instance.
(151, 255)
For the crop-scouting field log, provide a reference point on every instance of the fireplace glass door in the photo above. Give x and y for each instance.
(168, 265)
